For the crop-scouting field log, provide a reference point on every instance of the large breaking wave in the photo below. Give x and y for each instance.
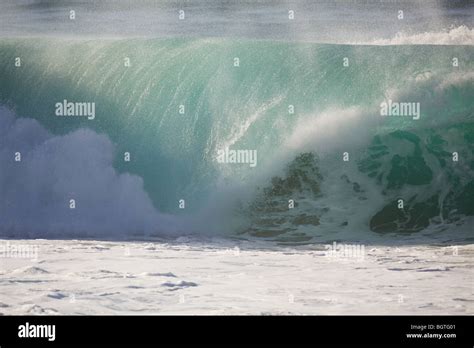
(246, 107)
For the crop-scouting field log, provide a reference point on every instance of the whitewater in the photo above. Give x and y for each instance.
(218, 277)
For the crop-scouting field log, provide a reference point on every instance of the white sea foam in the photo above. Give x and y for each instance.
(461, 35)
(212, 279)
(36, 191)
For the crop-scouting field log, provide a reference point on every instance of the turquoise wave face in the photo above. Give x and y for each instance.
(173, 104)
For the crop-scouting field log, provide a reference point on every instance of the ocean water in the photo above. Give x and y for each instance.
(305, 94)
(342, 203)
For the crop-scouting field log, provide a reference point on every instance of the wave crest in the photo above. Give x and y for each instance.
(461, 35)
